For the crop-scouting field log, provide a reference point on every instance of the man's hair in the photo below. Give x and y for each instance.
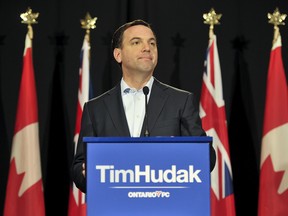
(117, 38)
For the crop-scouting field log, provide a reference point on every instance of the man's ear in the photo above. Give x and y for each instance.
(117, 55)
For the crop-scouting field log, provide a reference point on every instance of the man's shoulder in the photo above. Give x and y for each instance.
(110, 92)
(170, 89)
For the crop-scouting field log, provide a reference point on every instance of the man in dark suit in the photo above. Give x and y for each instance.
(121, 110)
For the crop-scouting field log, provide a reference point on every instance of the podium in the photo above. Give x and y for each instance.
(148, 176)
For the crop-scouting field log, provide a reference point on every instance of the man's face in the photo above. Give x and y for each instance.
(139, 52)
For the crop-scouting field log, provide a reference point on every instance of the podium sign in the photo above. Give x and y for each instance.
(161, 176)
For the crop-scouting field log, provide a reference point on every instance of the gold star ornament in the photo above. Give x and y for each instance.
(29, 17)
(212, 18)
(276, 18)
(89, 22)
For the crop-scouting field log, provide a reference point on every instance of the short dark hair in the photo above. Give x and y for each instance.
(117, 38)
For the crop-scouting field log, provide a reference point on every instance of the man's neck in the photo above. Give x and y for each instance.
(137, 82)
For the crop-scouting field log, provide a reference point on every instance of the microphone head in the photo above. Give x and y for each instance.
(145, 90)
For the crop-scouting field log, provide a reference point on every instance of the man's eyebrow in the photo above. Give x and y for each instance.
(139, 38)
(135, 38)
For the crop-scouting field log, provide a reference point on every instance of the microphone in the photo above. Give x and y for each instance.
(146, 92)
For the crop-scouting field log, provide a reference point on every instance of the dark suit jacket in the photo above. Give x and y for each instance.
(170, 111)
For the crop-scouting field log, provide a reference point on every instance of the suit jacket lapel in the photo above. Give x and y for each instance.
(115, 107)
(155, 104)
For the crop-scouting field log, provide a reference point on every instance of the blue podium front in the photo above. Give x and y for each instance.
(161, 176)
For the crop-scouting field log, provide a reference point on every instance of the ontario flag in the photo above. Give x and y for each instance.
(213, 115)
(273, 191)
(24, 193)
(77, 203)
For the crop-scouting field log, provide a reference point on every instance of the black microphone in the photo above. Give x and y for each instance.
(146, 92)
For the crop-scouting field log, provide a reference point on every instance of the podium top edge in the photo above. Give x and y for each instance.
(160, 139)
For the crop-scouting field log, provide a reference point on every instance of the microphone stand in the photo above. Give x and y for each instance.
(146, 92)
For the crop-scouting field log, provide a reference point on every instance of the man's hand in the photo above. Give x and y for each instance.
(83, 169)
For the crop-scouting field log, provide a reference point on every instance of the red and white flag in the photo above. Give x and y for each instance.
(213, 115)
(77, 203)
(273, 191)
(24, 193)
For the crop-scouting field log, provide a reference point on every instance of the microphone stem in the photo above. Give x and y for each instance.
(146, 118)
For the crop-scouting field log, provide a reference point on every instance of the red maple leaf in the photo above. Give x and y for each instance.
(29, 203)
(270, 201)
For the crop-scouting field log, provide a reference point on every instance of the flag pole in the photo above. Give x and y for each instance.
(214, 122)
(24, 192)
(273, 200)
(77, 202)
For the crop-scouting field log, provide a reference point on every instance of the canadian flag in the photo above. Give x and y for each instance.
(24, 193)
(273, 191)
(77, 203)
(213, 115)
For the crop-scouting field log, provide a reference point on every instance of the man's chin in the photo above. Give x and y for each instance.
(147, 69)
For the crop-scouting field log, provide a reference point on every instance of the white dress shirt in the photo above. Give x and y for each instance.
(134, 106)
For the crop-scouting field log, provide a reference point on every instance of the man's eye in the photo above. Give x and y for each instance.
(135, 42)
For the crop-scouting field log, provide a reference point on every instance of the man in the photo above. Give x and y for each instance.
(121, 110)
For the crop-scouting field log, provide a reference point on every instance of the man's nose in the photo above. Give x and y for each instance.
(146, 47)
